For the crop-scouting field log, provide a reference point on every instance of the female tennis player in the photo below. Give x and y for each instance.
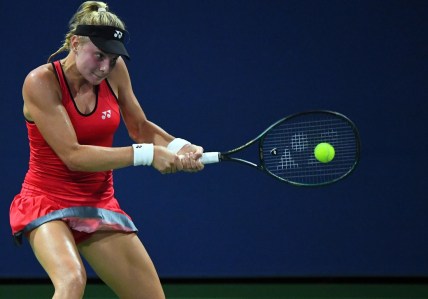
(67, 207)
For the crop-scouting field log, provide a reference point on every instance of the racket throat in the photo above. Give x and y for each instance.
(242, 161)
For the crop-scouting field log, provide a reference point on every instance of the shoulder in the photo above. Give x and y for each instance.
(41, 80)
(41, 85)
(119, 77)
(119, 70)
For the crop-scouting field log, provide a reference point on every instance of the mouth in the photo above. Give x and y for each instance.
(98, 77)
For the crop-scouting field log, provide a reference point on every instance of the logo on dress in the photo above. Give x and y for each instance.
(106, 114)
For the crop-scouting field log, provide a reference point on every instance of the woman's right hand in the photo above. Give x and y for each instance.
(165, 161)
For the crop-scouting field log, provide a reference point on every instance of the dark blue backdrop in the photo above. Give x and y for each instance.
(217, 73)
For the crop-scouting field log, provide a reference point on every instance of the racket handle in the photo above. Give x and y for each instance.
(210, 157)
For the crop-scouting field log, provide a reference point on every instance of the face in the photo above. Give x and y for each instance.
(93, 64)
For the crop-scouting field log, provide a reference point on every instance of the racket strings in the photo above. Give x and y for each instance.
(288, 149)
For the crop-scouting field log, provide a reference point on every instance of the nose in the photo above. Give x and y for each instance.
(105, 66)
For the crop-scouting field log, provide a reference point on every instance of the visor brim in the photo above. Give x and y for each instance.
(110, 46)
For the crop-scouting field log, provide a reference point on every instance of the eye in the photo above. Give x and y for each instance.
(113, 61)
(99, 56)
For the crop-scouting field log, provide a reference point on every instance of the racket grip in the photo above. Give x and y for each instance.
(210, 157)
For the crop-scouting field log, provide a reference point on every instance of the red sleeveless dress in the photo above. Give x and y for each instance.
(50, 191)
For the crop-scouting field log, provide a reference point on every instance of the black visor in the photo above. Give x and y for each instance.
(108, 39)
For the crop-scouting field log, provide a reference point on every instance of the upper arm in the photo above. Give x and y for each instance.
(140, 129)
(132, 113)
(42, 104)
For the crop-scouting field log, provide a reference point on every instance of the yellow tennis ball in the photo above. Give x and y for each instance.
(324, 152)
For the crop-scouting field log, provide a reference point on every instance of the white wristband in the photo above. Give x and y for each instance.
(176, 145)
(143, 154)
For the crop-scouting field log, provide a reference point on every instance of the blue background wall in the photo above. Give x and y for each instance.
(219, 72)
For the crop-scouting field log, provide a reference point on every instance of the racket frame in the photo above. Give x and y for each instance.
(226, 156)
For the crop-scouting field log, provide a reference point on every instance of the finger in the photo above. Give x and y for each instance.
(178, 163)
(195, 165)
(198, 153)
(200, 165)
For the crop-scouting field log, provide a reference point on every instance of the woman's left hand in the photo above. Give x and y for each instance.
(190, 156)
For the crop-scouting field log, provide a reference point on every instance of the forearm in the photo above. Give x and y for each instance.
(148, 132)
(96, 158)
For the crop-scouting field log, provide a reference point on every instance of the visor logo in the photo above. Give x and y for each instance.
(118, 34)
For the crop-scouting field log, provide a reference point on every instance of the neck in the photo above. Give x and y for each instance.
(74, 78)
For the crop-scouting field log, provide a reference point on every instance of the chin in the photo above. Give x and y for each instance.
(95, 80)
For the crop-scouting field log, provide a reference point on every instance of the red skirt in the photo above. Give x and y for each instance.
(33, 207)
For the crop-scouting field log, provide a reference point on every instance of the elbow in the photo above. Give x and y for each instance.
(72, 161)
(137, 137)
(133, 136)
(72, 164)
(140, 132)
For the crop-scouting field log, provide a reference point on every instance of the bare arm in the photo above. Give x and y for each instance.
(42, 104)
(140, 129)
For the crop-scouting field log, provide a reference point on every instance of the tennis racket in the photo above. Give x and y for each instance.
(286, 149)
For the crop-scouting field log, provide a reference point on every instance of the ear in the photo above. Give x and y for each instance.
(74, 43)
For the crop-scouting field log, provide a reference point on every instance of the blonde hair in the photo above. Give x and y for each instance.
(89, 13)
